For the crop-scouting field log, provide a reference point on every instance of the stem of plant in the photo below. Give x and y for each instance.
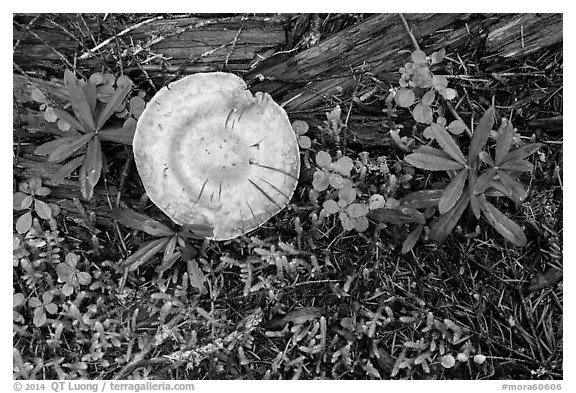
(416, 46)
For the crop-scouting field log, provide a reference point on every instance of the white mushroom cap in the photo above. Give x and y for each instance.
(210, 153)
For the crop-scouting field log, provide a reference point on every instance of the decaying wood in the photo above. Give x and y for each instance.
(306, 81)
(522, 34)
(42, 41)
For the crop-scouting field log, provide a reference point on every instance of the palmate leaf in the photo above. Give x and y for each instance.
(79, 101)
(140, 222)
(432, 162)
(67, 169)
(522, 152)
(517, 166)
(122, 135)
(443, 225)
(504, 142)
(472, 180)
(481, 135)
(68, 118)
(68, 146)
(119, 95)
(447, 143)
(503, 225)
(516, 189)
(453, 191)
(422, 199)
(91, 168)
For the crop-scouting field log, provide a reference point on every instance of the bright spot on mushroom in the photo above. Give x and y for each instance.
(209, 153)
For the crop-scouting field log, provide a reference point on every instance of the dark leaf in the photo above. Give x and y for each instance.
(522, 152)
(24, 223)
(297, 317)
(472, 180)
(68, 118)
(483, 182)
(514, 187)
(197, 231)
(119, 96)
(545, 280)
(196, 276)
(504, 142)
(453, 191)
(486, 159)
(443, 225)
(140, 222)
(48, 147)
(79, 101)
(69, 147)
(67, 169)
(42, 209)
(517, 166)
(503, 225)
(168, 262)
(432, 163)
(427, 149)
(481, 135)
(119, 135)
(145, 253)
(91, 168)
(90, 93)
(422, 199)
(447, 143)
(412, 239)
(391, 216)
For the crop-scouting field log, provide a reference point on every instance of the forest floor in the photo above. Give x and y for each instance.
(302, 297)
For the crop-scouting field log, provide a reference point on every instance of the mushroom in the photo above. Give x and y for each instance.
(209, 153)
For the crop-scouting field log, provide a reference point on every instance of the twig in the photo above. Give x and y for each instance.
(233, 44)
(155, 342)
(409, 32)
(64, 59)
(90, 52)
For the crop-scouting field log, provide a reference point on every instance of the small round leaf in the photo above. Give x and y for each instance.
(448, 361)
(422, 113)
(418, 57)
(300, 127)
(331, 206)
(456, 127)
(404, 98)
(24, 223)
(323, 159)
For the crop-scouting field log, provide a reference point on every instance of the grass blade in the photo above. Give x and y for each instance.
(412, 238)
(503, 225)
(481, 134)
(140, 222)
